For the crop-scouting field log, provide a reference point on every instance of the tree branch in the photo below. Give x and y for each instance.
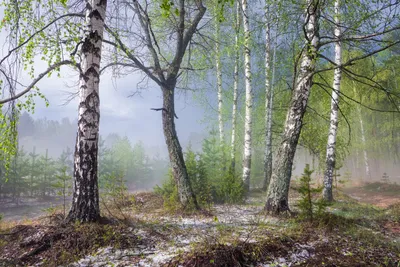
(37, 32)
(163, 109)
(139, 64)
(35, 81)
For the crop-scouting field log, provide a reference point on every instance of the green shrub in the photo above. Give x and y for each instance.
(63, 186)
(230, 189)
(309, 209)
(169, 192)
(211, 180)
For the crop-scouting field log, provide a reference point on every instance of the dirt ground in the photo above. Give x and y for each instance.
(143, 233)
(379, 195)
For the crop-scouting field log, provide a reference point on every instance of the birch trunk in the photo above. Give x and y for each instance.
(334, 120)
(85, 201)
(267, 152)
(269, 124)
(367, 169)
(235, 86)
(219, 80)
(278, 190)
(365, 154)
(186, 195)
(249, 99)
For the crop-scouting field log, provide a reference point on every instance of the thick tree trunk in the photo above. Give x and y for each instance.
(85, 201)
(249, 99)
(186, 195)
(278, 190)
(267, 151)
(235, 87)
(331, 146)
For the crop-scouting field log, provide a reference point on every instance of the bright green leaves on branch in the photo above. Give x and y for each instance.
(167, 6)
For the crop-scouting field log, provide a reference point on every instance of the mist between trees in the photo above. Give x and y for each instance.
(271, 77)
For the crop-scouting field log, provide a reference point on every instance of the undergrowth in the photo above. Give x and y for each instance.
(59, 245)
(208, 186)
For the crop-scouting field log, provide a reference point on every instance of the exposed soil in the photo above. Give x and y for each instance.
(377, 194)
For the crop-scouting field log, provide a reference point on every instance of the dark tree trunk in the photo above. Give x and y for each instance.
(186, 195)
(85, 201)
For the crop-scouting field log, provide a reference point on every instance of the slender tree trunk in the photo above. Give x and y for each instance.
(366, 161)
(333, 128)
(219, 80)
(32, 169)
(267, 171)
(46, 166)
(185, 192)
(268, 143)
(278, 190)
(268, 109)
(249, 99)
(85, 201)
(365, 154)
(235, 86)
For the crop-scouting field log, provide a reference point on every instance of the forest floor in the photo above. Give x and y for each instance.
(143, 233)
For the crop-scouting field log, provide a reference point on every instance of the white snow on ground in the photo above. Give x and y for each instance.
(182, 233)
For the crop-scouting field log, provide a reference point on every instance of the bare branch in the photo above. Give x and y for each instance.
(139, 64)
(163, 109)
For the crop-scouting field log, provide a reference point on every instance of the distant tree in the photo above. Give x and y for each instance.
(26, 125)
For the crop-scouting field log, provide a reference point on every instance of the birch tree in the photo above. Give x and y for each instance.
(363, 140)
(219, 73)
(278, 190)
(334, 117)
(268, 96)
(249, 99)
(85, 200)
(235, 85)
(57, 36)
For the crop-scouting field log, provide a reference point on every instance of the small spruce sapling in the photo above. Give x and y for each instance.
(62, 185)
(308, 208)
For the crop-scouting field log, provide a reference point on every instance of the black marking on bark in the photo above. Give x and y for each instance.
(96, 14)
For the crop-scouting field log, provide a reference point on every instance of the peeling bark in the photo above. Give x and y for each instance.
(85, 201)
(334, 120)
(249, 99)
(278, 190)
(235, 86)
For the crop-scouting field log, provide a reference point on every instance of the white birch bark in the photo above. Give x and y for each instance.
(334, 119)
(249, 99)
(267, 151)
(235, 86)
(367, 169)
(85, 201)
(365, 154)
(219, 79)
(278, 190)
(269, 124)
